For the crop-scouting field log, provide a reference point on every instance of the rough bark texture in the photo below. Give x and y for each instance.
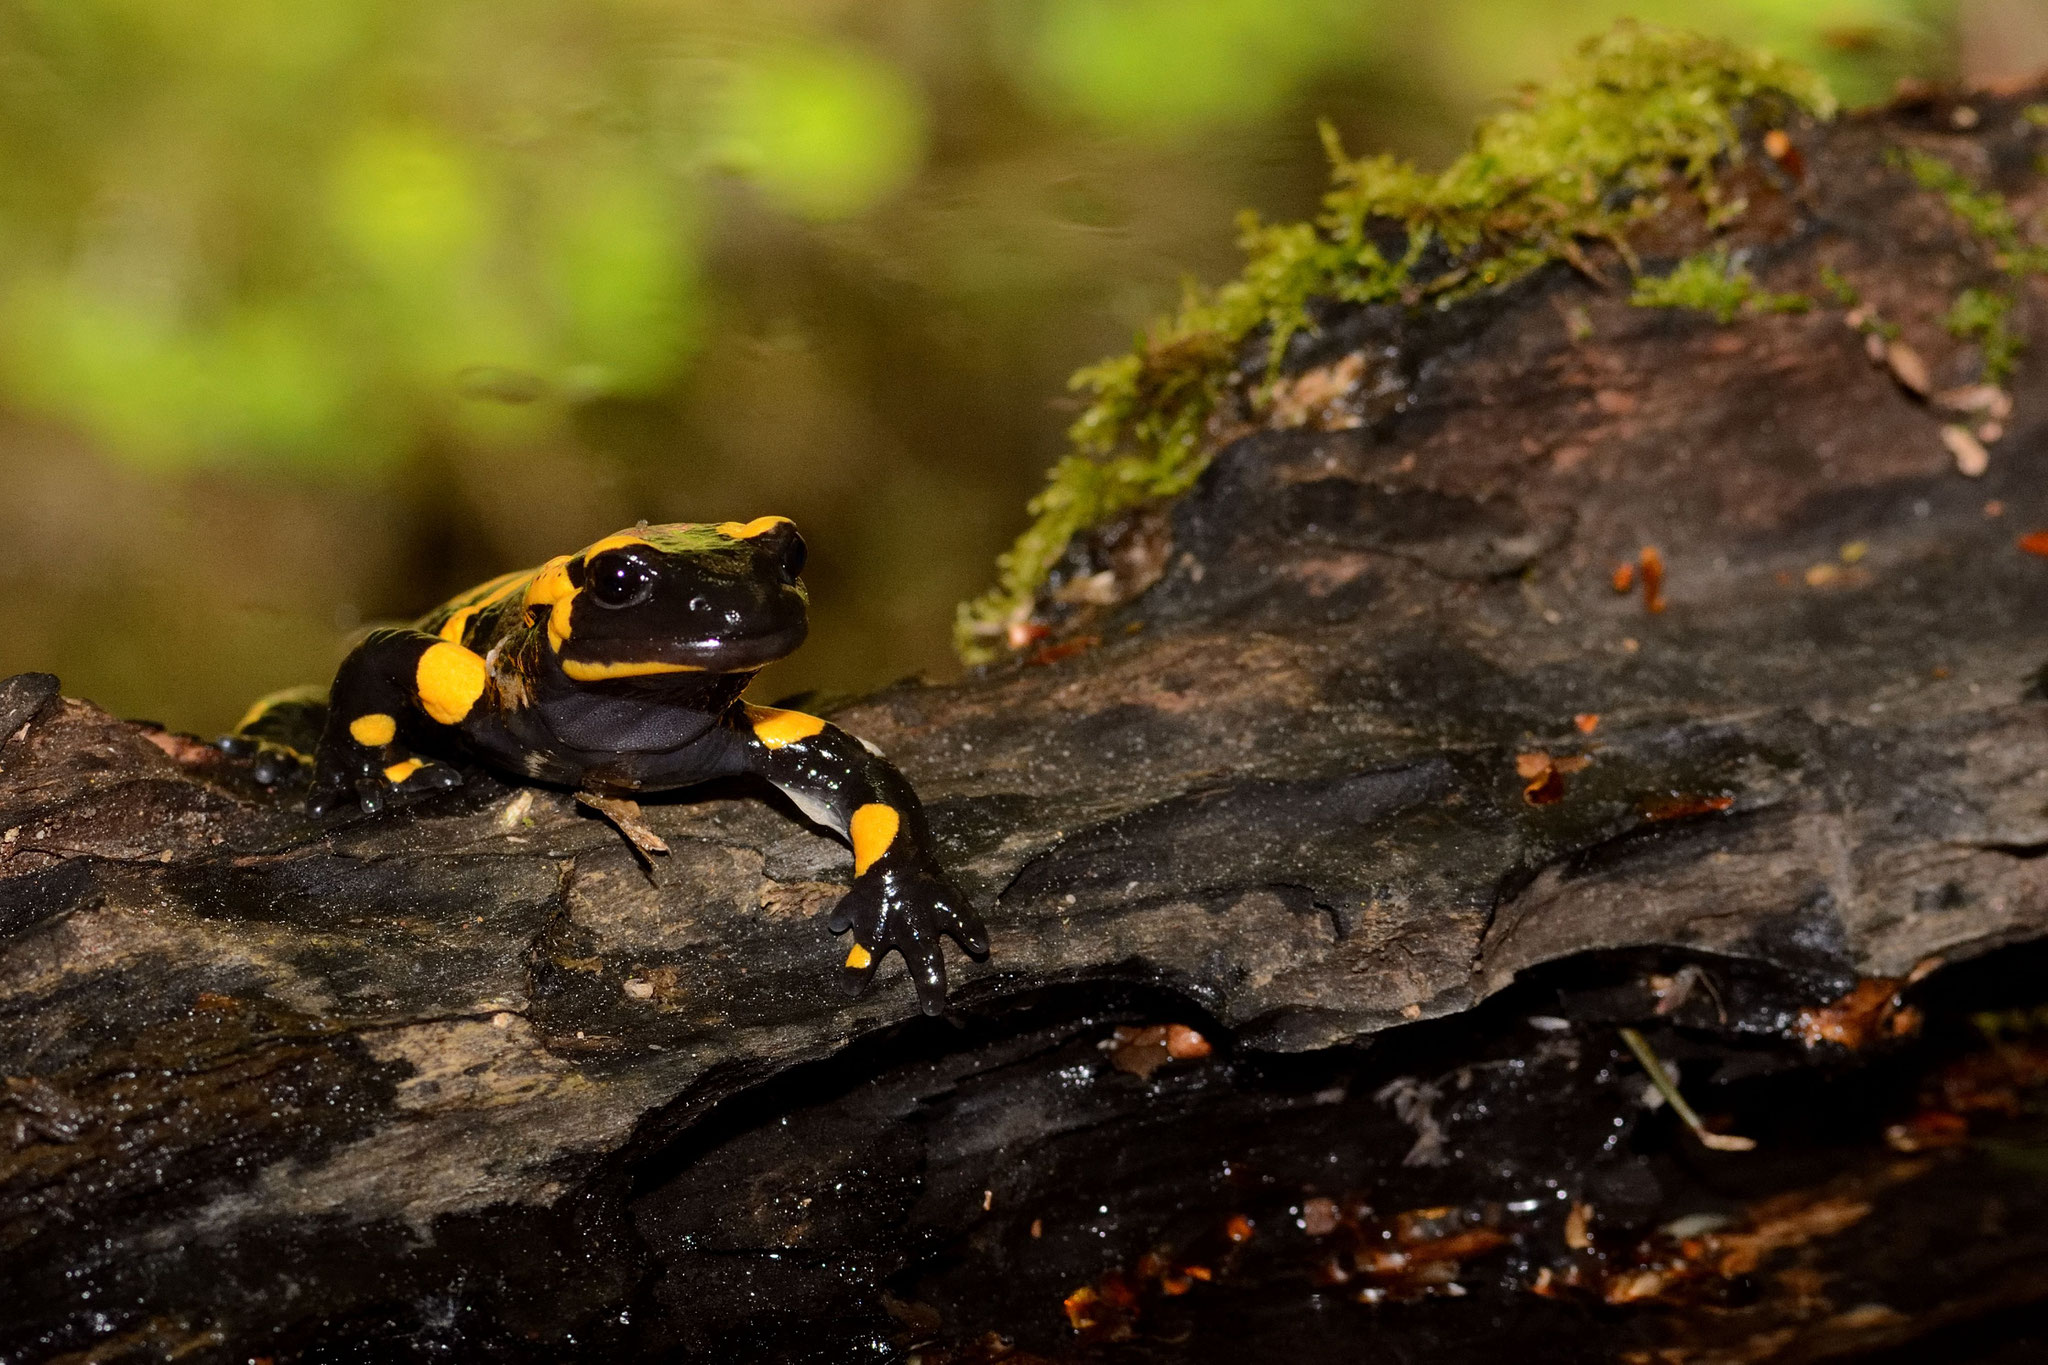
(465, 1081)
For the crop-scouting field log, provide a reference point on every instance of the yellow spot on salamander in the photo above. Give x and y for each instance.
(552, 589)
(494, 590)
(859, 958)
(249, 717)
(452, 630)
(747, 530)
(477, 599)
(583, 672)
(290, 696)
(449, 680)
(776, 728)
(374, 730)
(398, 772)
(873, 828)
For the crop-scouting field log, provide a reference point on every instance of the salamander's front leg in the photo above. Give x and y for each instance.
(901, 898)
(395, 682)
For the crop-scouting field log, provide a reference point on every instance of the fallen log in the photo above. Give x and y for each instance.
(1365, 761)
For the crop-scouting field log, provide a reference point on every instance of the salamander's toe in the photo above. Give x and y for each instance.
(964, 927)
(927, 963)
(912, 910)
(858, 972)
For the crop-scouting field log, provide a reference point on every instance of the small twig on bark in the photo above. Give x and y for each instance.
(1720, 1142)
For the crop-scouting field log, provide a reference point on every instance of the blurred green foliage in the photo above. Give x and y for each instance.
(1858, 46)
(458, 283)
(825, 132)
(256, 230)
(314, 234)
(1166, 66)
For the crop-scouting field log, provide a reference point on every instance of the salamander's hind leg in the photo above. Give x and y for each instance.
(396, 683)
(279, 733)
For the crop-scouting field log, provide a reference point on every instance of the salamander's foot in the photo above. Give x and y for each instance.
(271, 764)
(898, 904)
(372, 784)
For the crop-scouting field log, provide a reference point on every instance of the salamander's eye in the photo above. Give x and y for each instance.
(619, 580)
(793, 557)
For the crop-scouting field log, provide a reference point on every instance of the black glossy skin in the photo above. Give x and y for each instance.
(515, 680)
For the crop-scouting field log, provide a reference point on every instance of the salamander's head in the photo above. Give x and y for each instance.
(686, 598)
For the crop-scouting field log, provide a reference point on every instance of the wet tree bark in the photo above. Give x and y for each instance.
(1356, 762)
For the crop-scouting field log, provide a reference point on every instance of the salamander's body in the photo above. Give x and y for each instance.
(618, 669)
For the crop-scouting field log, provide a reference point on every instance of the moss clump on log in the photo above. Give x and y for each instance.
(1641, 112)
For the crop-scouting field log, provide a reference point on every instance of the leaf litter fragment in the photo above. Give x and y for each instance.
(1649, 569)
(1142, 1051)
(1543, 774)
(1873, 1009)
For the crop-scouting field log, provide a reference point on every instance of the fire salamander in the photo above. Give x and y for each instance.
(618, 669)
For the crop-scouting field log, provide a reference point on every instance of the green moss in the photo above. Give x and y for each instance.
(1984, 212)
(1710, 283)
(1838, 287)
(2036, 114)
(1979, 315)
(1641, 111)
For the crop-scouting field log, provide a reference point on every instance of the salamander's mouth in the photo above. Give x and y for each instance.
(680, 659)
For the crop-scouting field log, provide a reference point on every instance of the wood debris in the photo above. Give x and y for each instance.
(1970, 456)
(1976, 400)
(625, 818)
(1316, 397)
(1907, 368)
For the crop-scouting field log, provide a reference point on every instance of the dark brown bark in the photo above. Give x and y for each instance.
(462, 1081)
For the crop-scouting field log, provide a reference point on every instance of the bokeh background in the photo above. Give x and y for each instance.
(313, 313)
